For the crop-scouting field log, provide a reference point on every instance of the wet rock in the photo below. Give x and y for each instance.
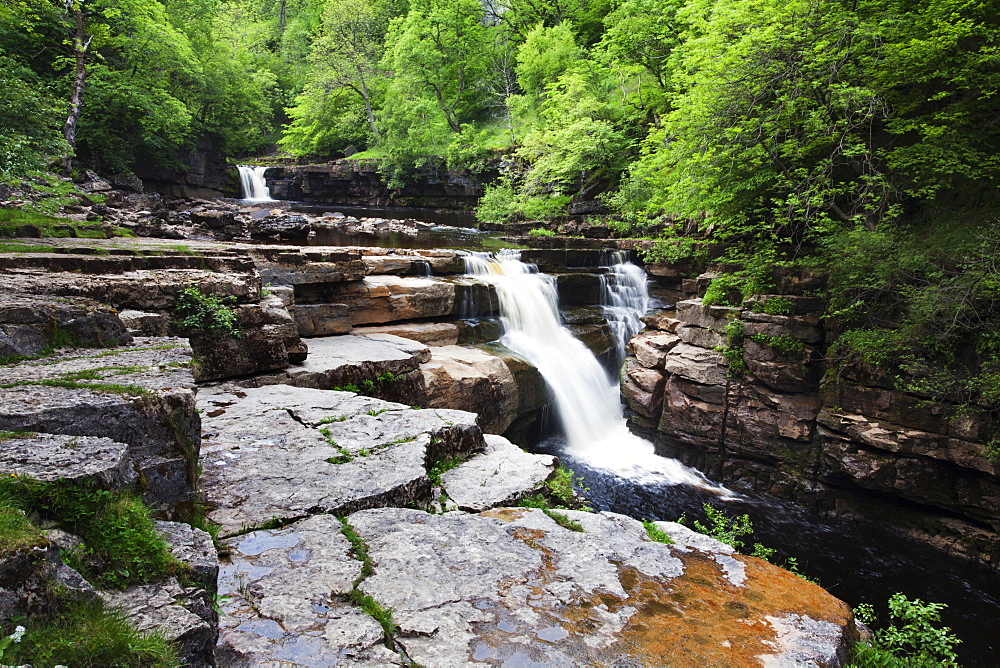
(501, 476)
(642, 388)
(286, 452)
(285, 600)
(511, 585)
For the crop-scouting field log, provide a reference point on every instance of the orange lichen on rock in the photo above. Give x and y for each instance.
(700, 618)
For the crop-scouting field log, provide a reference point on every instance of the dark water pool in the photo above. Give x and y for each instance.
(858, 564)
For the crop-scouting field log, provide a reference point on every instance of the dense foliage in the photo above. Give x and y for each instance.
(861, 136)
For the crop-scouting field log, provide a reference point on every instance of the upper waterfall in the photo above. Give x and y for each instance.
(586, 397)
(253, 184)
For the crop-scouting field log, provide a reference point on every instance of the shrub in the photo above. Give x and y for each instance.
(201, 313)
(541, 232)
(915, 641)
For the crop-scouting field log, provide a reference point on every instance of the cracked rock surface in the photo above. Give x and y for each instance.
(288, 452)
(511, 586)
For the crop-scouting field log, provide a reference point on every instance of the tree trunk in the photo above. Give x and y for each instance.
(81, 42)
(369, 113)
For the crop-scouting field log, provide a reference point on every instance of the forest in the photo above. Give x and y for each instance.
(857, 137)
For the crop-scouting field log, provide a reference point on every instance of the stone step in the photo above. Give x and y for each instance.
(141, 395)
(99, 264)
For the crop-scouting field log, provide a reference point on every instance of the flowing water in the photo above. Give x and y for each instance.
(253, 185)
(585, 397)
(856, 563)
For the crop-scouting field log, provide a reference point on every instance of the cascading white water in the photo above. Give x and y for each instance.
(254, 186)
(626, 298)
(586, 398)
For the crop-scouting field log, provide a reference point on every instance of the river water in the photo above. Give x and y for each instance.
(856, 563)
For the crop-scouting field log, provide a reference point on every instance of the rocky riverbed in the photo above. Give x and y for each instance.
(354, 473)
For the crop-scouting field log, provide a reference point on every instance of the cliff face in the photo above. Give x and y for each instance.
(768, 416)
(357, 183)
(202, 172)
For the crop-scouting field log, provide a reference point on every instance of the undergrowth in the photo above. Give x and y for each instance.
(121, 546)
(88, 635)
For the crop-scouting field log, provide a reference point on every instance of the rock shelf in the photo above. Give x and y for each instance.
(325, 497)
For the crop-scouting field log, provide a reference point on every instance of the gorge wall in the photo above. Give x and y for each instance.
(749, 399)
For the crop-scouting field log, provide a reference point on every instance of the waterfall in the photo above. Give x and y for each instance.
(253, 184)
(586, 398)
(626, 298)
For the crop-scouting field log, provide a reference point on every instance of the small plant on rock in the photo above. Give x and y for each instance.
(201, 313)
(914, 640)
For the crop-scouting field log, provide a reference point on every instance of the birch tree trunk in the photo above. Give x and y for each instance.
(81, 42)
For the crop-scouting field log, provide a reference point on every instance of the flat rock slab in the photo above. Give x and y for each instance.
(180, 613)
(510, 586)
(51, 457)
(288, 452)
(285, 600)
(140, 395)
(339, 360)
(501, 476)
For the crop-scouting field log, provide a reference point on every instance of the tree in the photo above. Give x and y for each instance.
(441, 50)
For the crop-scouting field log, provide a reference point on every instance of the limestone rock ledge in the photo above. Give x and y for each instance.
(509, 585)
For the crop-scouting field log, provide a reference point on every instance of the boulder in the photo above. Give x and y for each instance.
(470, 379)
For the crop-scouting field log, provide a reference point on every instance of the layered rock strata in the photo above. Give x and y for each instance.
(845, 443)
